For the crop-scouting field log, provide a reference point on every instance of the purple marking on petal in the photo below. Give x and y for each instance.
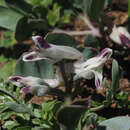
(26, 90)
(103, 51)
(125, 40)
(30, 57)
(43, 43)
(15, 78)
(97, 83)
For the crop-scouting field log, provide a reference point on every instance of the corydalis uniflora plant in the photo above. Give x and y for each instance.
(56, 53)
(91, 68)
(121, 36)
(52, 53)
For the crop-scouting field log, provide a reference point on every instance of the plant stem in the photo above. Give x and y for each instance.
(73, 33)
(8, 94)
(62, 69)
(97, 108)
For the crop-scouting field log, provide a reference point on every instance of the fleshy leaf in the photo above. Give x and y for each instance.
(61, 39)
(19, 5)
(41, 69)
(89, 53)
(20, 108)
(117, 123)
(9, 18)
(91, 41)
(69, 116)
(115, 77)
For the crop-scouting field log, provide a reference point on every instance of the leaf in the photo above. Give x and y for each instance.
(41, 69)
(91, 41)
(115, 77)
(116, 123)
(69, 116)
(9, 18)
(89, 53)
(23, 128)
(23, 29)
(10, 124)
(20, 108)
(54, 15)
(19, 5)
(61, 39)
(91, 8)
(96, 9)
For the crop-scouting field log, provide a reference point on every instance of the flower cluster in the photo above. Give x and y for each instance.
(53, 54)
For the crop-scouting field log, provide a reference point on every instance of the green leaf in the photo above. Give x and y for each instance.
(69, 116)
(20, 108)
(41, 69)
(10, 124)
(91, 41)
(91, 8)
(61, 39)
(115, 77)
(23, 128)
(19, 5)
(46, 3)
(117, 123)
(9, 18)
(23, 29)
(89, 53)
(54, 15)
(96, 9)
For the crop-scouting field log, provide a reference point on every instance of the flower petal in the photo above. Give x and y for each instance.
(32, 56)
(115, 35)
(40, 42)
(15, 80)
(98, 60)
(98, 79)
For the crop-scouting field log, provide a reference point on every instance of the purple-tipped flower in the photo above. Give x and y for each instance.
(50, 52)
(36, 85)
(92, 67)
(121, 36)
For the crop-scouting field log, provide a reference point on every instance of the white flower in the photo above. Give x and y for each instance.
(36, 85)
(121, 36)
(91, 68)
(52, 53)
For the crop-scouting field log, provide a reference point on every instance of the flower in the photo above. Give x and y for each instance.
(92, 67)
(121, 36)
(36, 85)
(50, 52)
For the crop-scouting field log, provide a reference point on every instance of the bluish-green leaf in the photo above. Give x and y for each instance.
(96, 9)
(10, 124)
(91, 41)
(41, 69)
(20, 108)
(23, 29)
(19, 5)
(61, 39)
(115, 76)
(9, 18)
(89, 53)
(117, 123)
